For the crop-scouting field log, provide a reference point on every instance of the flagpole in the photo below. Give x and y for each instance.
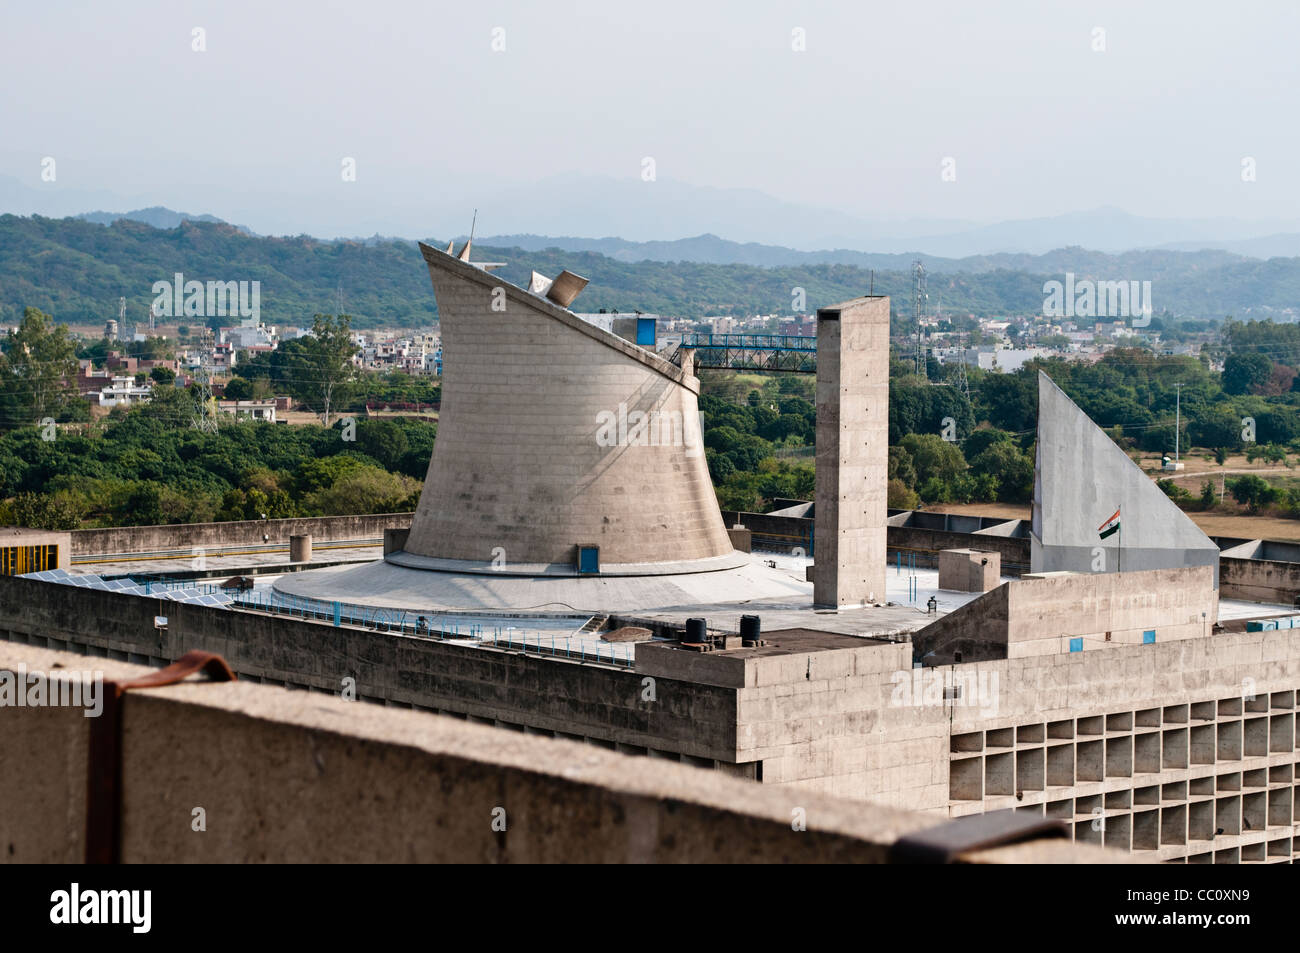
(1119, 547)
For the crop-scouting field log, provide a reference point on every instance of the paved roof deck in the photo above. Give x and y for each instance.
(784, 596)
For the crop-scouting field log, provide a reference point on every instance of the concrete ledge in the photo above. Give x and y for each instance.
(298, 777)
(733, 560)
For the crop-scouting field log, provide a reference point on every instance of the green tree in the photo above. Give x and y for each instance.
(901, 467)
(37, 369)
(1012, 469)
(1246, 373)
(1252, 492)
(367, 490)
(934, 459)
(1208, 497)
(324, 374)
(900, 496)
(239, 388)
(162, 375)
(384, 440)
(39, 511)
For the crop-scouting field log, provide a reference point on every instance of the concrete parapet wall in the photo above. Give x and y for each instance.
(1044, 615)
(1259, 580)
(510, 687)
(287, 777)
(144, 539)
(1106, 609)
(926, 544)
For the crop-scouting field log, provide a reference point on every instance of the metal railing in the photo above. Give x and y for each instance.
(439, 626)
(758, 352)
(217, 551)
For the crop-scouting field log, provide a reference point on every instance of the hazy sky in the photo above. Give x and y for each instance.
(1037, 122)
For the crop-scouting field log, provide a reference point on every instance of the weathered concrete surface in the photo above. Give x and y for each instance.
(852, 452)
(572, 697)
(1080, 478)
(143, 539)
(523, 471)
(291, 777)
(847, 717)
(969, 570)
(1040, 616)
(1258, 578)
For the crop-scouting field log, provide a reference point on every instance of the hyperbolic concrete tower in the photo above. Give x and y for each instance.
(1081, 479)
(554, 435)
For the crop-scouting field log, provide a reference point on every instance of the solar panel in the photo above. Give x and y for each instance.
(187, 594)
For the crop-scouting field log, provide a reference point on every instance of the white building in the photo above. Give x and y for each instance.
(125, 392)
(249, 409)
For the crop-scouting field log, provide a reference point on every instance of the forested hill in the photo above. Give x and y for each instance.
(77, 270)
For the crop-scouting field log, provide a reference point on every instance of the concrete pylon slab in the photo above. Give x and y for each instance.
(1082, 478)
(852, 452)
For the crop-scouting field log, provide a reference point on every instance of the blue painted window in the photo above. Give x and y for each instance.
(1076, 645)
(645, 332)
(588, 559)
(1148, 636)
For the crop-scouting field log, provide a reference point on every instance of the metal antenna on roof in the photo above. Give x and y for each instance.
(464, 252)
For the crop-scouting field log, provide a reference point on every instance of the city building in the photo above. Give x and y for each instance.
(125, 392)
(249, 409)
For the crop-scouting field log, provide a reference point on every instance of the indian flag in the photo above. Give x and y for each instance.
(1110, 527)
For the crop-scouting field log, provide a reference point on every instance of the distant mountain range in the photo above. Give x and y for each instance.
(77, 269)
(156, 215)
(710, 249)
(757, 228)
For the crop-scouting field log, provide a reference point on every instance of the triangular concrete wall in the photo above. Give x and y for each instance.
(1080, 478)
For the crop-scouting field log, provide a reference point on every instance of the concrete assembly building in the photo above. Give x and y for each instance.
(568, 573)
(569, 474)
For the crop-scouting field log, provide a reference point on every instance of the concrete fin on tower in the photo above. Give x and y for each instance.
(565, 288)
(1081, 480)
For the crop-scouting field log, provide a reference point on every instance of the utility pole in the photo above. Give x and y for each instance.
(1178, 421)
(918, 307)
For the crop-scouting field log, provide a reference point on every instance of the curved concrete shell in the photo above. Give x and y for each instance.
(555, 434)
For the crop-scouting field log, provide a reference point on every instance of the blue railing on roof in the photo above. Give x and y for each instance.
(153, 584)
(764, 342)
(444, 626)
(757, 352)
